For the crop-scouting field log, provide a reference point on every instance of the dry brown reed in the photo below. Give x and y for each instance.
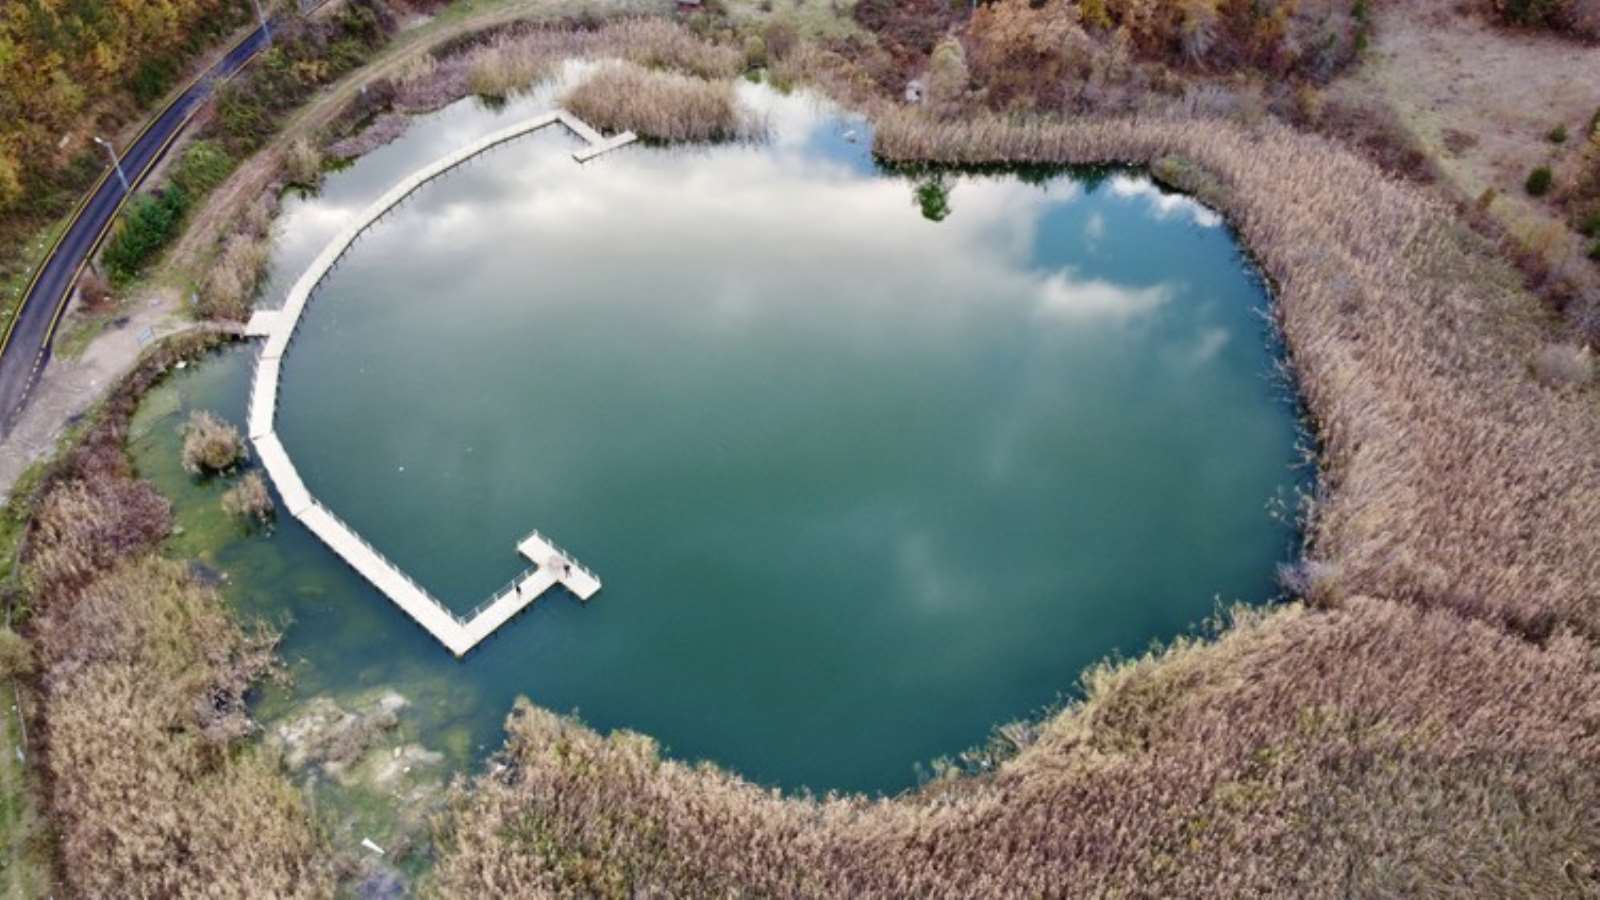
(142, 673)
(143, 686)
(662, 105)
(302, 162)
(502, 69)
(210, 444)
(1415, 745)
(651, 43)
(1371, 750)
(249, 499)
(230, 283)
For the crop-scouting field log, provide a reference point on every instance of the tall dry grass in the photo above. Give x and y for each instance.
(142, 675)
(249, 499)
(1375, 750)
(1418, 745)
(503, 58)
(662, 105)
(210, 444)
(502, 69)
(143, 686)
(228, 288)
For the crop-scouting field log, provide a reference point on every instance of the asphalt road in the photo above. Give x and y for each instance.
(26, 344)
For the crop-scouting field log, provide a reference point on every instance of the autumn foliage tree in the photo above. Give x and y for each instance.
(70, 67)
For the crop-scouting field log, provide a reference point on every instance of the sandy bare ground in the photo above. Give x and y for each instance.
(1481, 100)
(70, 387)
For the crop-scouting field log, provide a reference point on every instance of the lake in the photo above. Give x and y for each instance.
(870, 461)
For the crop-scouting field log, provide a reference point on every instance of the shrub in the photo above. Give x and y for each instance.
(1589, 225)
(203, 166)
(1026, 53)
(249, 499)
(1563, 365)
(662, 105)
(1579, 17)
(96, 291)
(1539, 181)
(150, 223)
(780, 38)
(210, 445)
(16, 654)
(152, 79)
(755, 52)
(1557, 135)
(231, 282)
(948, 77)
(302, 163)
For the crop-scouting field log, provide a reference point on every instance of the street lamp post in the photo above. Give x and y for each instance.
(115, 163)
(260, 17)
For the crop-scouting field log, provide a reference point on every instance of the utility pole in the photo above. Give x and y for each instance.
(260, 17)
(115, 163)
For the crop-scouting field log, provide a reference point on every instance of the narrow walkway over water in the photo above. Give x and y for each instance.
(551, 565)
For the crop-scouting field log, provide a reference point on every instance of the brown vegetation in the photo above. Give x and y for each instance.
(302, 165)
(142, 674)
(228, 291)
(662, 105)
(249, 499)
(513, 57)
(210, 445)
(1368, 751)
(1441, 741)
(502, 69)
(144, 693)
(1418, 744)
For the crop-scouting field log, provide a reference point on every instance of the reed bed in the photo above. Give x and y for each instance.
(503, 69)
(1430, 727)
(142, 673)
(666, 106)
(507, 57)
(1372, 750)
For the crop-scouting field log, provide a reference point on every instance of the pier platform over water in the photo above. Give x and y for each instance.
(552, 566)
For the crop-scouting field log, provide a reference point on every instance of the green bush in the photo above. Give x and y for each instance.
(203, 166)
(151, 222)
(1594, 251)
(1531, 13)
(1589, 226)
(1557, 135)
(1539, 180)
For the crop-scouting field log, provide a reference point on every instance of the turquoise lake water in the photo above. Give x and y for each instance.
(870, 462)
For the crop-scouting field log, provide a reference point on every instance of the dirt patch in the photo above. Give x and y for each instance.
(1481, 101)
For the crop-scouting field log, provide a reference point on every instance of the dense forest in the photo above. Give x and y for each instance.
(72, 66)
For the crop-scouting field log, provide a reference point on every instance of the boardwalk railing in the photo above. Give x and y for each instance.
(458, 633)
(565, 556)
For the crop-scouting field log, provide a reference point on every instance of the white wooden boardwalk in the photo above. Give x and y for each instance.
(551, 565)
